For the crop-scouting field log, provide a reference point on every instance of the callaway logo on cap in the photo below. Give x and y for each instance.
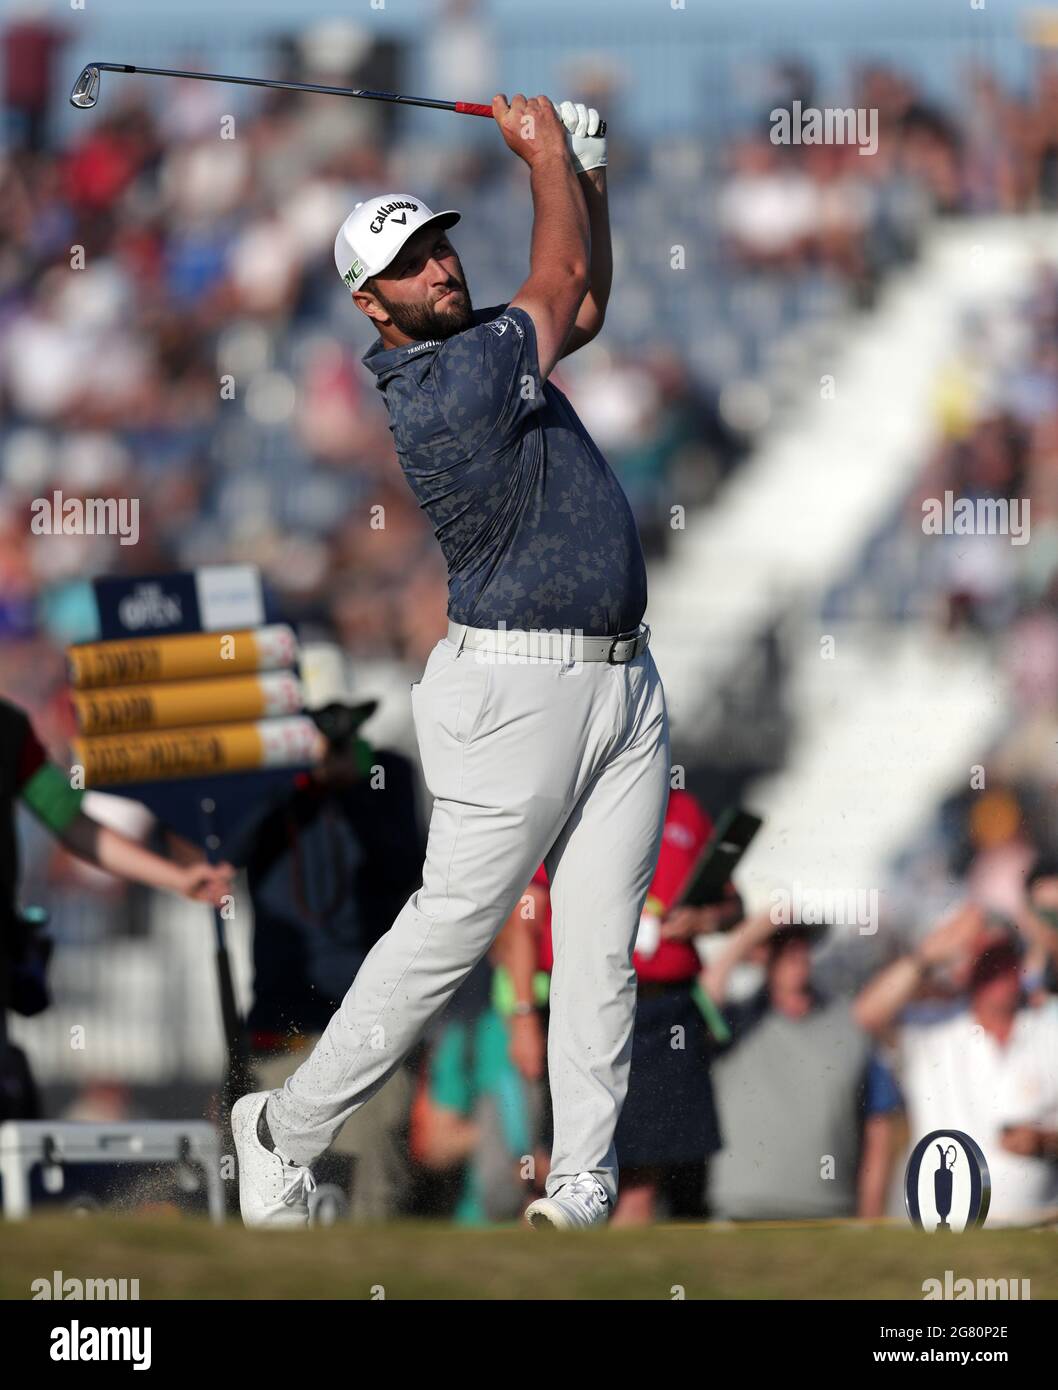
(376, 229)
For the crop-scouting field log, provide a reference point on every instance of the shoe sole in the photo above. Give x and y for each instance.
(240, 1133)
(544, 1221)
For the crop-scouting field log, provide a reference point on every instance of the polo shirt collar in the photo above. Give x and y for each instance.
(385, 361)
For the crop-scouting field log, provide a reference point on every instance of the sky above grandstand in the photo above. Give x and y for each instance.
(683, 69)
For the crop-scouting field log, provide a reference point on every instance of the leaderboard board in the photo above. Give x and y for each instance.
(171, 703)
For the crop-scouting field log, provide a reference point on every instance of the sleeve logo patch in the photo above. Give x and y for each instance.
(500, 326)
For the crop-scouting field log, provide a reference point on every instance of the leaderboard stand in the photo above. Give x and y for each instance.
(189, 703)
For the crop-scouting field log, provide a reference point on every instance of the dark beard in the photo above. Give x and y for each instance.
(422, 321)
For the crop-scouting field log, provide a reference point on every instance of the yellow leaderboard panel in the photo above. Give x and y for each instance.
(216, 748)
(140, 661)
(180, 703)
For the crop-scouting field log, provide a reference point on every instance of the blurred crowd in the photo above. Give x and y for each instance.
(999, 409)
(990, 581)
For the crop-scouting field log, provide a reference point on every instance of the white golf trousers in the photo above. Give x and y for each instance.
(527, 761)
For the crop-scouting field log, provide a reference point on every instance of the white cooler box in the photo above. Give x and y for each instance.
(45, 1161)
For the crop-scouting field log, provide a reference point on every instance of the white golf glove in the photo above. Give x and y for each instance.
(586, 146)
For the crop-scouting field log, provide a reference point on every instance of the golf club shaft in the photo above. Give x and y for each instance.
(464, 108)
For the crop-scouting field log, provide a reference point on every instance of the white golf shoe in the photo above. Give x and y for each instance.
(582, 1202)
(272, 1192)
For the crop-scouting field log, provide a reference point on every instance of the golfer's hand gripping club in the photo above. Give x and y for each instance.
(530, 127)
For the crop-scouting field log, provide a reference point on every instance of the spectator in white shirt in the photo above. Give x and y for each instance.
(989, 1069)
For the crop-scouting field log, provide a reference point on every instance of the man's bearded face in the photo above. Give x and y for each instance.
(425, 291)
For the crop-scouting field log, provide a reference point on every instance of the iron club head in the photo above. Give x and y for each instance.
(86, 89)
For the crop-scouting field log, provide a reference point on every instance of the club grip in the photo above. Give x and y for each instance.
(473, 108)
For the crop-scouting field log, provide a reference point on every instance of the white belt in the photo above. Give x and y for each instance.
(544, 645)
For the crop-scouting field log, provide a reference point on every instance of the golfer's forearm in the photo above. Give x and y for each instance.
(592, 311)
(114, 852)
(560, 247)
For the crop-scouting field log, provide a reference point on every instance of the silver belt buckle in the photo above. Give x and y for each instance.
(623, 641)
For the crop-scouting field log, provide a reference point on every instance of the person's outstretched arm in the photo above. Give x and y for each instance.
(753, 932)
(110, 850)
(892, 989)
(45, 790)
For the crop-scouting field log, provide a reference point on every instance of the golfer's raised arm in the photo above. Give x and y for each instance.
(586, 137)
(559, 256)
(592, 312)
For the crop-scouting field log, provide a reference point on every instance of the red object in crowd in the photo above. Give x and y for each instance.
(686, 831)
(29, 49)
(98, 171)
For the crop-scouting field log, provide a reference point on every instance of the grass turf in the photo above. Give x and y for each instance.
(175, 1258)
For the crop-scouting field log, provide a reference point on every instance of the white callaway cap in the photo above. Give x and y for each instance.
(376, 229)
